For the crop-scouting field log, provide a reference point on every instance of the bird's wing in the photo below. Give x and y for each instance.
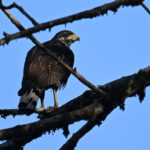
(65, 54)
(43, 71)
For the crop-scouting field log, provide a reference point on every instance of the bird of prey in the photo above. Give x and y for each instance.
(42, 72)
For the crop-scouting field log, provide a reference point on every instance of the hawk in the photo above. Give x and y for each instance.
(42, 72)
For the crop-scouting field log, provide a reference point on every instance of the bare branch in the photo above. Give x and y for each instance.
(14, 112)
(89, 106)
(72, 142)
(52, 123)
(146, 8)
(14, 5)
(98, 11)
(6, 112)
(34, 22)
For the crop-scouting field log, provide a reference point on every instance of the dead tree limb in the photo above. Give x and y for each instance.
(89, 106)
(72, 142)
(98, 11)
(14, 112)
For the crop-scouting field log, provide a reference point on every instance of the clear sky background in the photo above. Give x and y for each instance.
(110, 47)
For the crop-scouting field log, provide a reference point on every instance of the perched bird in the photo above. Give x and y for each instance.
(42, 72)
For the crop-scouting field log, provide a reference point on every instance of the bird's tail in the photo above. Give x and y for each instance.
(28, 100)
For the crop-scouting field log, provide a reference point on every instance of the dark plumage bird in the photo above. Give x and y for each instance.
(42, 72)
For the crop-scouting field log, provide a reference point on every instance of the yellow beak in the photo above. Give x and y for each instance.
(73, 37)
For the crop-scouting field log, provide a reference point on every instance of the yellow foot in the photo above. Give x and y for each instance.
(51, 108)
(40, 109)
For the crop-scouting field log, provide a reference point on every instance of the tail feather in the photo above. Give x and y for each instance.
(28, 100)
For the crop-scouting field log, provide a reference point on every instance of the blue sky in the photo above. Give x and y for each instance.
(110, 47)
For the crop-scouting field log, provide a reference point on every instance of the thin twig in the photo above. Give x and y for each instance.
(34, 22)
(74, 72)
(98, 11)
(146, 8)
(14, 5)
(14, 112)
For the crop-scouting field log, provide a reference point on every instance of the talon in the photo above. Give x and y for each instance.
(51, 108)
(39, 109)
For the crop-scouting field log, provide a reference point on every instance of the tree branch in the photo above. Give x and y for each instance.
(146, 8)
(89, 106)
(34, 40)
(14, 112)
(34, 22)
(98, 11)
(52, 123)
(72, 142)
(14, 5)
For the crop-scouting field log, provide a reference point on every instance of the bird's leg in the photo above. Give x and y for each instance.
(42, 100)
(55, 99)
(42, 103)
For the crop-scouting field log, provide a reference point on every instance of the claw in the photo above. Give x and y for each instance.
(51, 108)
(39, 109)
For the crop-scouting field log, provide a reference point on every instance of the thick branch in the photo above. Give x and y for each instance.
(98, 11)
(52, 123)
(18, 143)
(89, 106)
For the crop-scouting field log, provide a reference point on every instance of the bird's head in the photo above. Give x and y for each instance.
(67, 37)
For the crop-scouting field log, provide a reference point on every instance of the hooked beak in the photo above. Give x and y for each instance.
(73, 37)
